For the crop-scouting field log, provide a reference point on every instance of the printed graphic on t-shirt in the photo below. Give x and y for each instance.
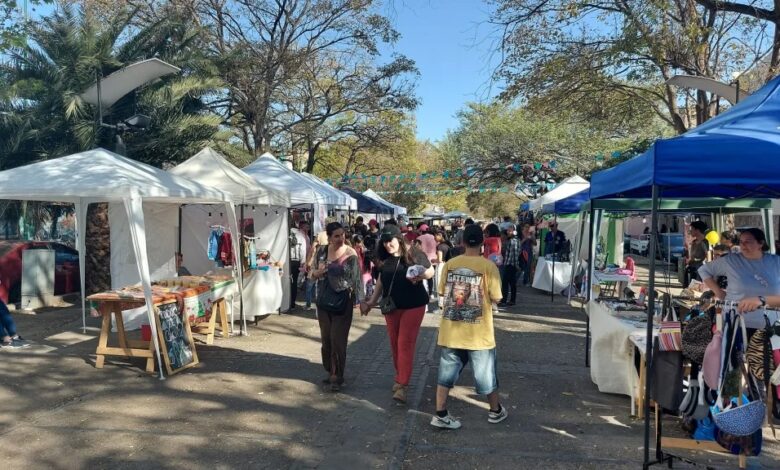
(463, 296)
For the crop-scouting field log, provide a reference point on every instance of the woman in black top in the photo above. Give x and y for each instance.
(410, 298)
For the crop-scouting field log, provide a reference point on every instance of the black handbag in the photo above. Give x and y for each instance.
(329, 299)
(333, 301)
(387, 304)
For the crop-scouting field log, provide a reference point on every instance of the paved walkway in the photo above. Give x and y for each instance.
(257, 402)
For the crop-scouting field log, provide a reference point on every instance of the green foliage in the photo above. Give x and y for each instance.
(42, 115)
(492, 139)
(607, 61)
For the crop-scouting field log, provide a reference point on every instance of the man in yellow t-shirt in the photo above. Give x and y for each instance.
(470, 285)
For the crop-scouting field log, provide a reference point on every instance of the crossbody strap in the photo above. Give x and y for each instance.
(392, 280)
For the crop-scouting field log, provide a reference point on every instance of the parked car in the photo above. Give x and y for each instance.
(671, 246)
(66, 267)
(639, 244)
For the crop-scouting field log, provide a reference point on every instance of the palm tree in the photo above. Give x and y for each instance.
(42, 115)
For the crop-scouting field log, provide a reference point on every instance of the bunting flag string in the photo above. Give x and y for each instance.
(384, 180)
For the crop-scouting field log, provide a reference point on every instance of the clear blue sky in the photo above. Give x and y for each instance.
(455, 50)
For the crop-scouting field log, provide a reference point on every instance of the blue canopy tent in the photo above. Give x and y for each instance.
(367, 205)
(569, 205)
(735, 155)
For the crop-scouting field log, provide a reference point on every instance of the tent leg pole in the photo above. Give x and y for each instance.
(649, 333)
(588, 289)
(240, 264)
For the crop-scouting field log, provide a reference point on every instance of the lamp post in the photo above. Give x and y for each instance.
(106, 91)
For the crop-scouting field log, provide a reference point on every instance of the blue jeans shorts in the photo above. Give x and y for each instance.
(483, 362)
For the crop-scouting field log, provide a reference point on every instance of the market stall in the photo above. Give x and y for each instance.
(303, 191)
(397, 210)
(263, 216)
(147, 250)
(672, 168)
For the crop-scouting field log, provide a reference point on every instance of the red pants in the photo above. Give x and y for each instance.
(403, 325)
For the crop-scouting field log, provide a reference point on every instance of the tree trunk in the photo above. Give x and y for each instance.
(98, 249)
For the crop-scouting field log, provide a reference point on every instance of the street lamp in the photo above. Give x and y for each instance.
(107, 91)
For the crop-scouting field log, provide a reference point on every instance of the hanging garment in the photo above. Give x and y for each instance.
(226, 249)
(213, 246)
(252, 254)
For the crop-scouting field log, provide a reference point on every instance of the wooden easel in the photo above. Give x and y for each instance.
(219, 308)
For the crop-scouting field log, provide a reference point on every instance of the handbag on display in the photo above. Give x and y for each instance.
(749, 445)
(747, 418)
(670, 333)
(666, 368)
(386, 303)
(696, 335)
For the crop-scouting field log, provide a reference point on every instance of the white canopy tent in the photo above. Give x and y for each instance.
(102, 176)
(346, 202)
(270, 223)
(303, 191)
(397, 210)
(566, 188)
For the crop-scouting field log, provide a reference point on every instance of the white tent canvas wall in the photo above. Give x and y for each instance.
(569, 186)
(270, 172)
(266, 207)
(397, 210)
(102, 176)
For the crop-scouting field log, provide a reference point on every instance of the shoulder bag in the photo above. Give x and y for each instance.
(329, 299)
(387, 304)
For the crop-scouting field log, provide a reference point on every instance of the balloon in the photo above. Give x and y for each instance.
(712, 237)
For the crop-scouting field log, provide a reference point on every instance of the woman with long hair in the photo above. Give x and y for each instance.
(409, 297)
(753, 275)
(338, 277)
(492, 246)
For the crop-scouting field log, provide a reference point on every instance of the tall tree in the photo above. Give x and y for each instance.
(765, 11)
(339, 98)
(270, 53)
(610, 59)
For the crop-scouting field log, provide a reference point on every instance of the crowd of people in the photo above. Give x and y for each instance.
(403, 270)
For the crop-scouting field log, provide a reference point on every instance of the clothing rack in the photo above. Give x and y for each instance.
(226, 229)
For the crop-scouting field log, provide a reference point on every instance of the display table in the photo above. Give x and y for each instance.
(543, 277)
(215, 294)
(614, 343)
(262, 292)
(622, 280)
(112, 302)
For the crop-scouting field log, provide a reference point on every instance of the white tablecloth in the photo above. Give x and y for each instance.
(544, 274)
(262, 293)
(600, 277)
(611, 350)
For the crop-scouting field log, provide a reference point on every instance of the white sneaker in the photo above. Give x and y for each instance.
(447, 422)
(494, 418)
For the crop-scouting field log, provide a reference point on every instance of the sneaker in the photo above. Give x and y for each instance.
(18, 342)
(447, 422)
(400, 395)
(494, 418)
